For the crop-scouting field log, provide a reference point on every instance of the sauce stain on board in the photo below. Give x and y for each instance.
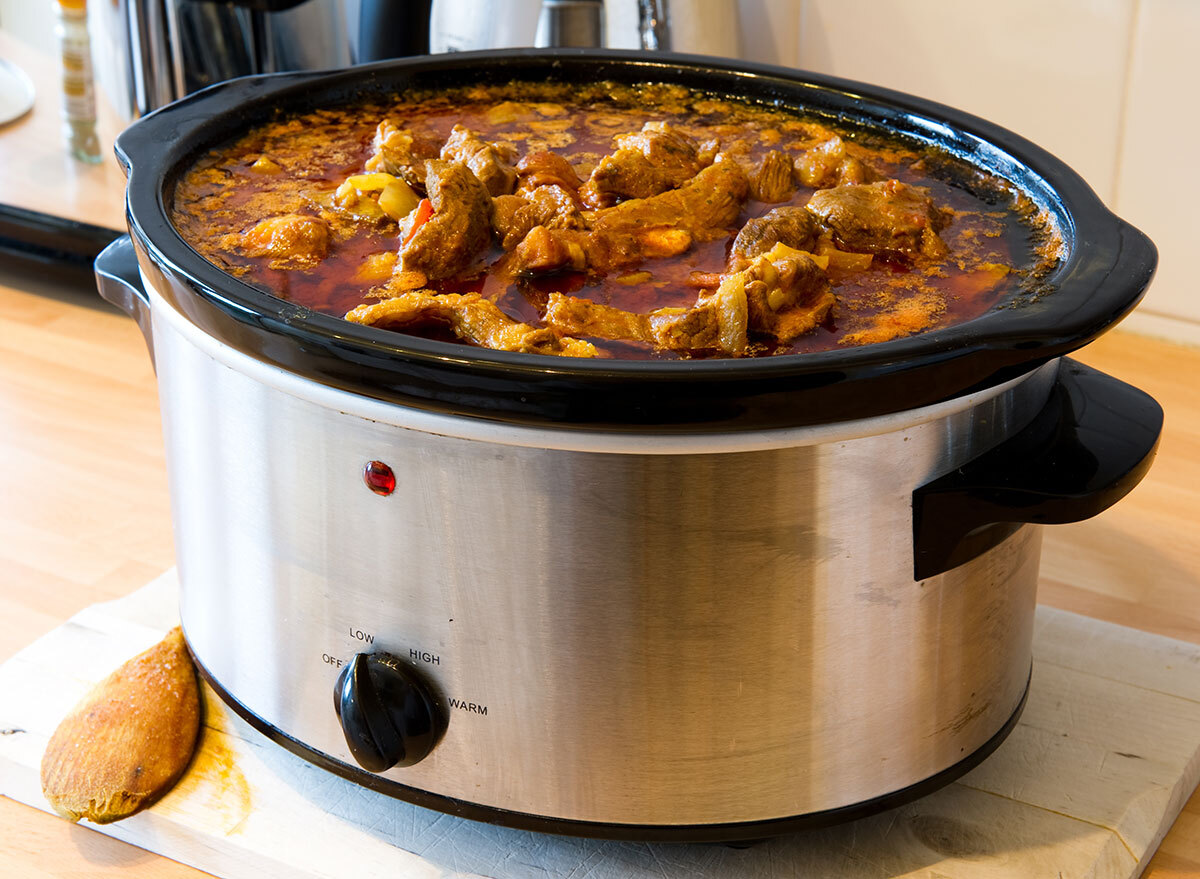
(213, 786)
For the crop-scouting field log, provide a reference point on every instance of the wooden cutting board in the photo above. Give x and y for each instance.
(1104, 757)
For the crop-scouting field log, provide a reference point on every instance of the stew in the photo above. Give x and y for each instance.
(611, 221)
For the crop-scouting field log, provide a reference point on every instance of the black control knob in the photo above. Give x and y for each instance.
(387, 712)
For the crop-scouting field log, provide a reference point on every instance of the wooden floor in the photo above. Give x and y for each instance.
(84, 517)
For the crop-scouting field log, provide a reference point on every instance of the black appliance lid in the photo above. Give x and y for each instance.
(1105, 271)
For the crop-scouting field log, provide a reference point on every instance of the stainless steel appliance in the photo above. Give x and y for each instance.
(176, 47)
(688, 600)
(171, 48)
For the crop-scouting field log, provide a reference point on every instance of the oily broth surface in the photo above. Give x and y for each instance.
(994, 239)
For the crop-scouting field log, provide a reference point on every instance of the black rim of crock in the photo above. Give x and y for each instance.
(1108, 265)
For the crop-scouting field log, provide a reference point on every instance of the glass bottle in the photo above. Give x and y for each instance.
(79, 97)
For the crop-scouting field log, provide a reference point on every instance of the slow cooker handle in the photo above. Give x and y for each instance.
(120, 283)
(1090, 445)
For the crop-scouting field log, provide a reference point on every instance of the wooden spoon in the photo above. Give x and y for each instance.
(128, 741)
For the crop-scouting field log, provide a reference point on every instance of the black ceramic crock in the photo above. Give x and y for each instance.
(1104, 272)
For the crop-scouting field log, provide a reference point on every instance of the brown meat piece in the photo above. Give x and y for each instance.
(657, 227)
(787, 294)
(471, 318)
(293, 239)
(556, 207)
(793, 226)
(398, 152)
(782, 294)
(492, 163)
(546, 250)
(574, 316)
(673, 329)
(548, 205)
(653, 160)
(623, 175)
(510, 219)
(661, 226)
(545, 168)
(672, 152)
(702, 209)
(771, 181)
(686, 329)
(829, 164)
(461, 225)
(706, 206)
(884, 217)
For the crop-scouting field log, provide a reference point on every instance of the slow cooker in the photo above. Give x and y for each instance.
(712, 599)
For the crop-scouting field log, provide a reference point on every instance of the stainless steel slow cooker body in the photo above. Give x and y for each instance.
(680, 601)
(653, 631)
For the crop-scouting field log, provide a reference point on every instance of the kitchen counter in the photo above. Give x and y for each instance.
(84, 514)
(38, 173)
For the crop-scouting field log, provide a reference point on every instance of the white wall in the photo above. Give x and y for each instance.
(32, 21)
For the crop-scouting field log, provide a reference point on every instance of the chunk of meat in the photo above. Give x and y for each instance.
(670, 150)
(657, 227)
(787, 294)
(703, 208)
(461, 225)
(793, 226)
(782, 294)
(829, 164)
(693, 329)
(546, 250)
(547, 205)
(771, 181)
(686, 329)
(623, 175)
(399, 152)
(492, 163)
(292, 239)
(545, 168)
(511, 219)
(471, 318)
(575, 316)
(884, 217)
(647, 162)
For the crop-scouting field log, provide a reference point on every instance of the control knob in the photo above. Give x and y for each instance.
(387, 712)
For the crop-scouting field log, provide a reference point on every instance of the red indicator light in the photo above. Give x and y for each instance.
(379, 478)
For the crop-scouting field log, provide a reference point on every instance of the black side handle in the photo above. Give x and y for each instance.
(1089, 446)
(120, 283)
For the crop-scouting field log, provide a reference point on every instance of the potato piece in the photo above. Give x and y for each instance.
(732, 313)
(370, 182)
(398, 199)
(782, 251)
